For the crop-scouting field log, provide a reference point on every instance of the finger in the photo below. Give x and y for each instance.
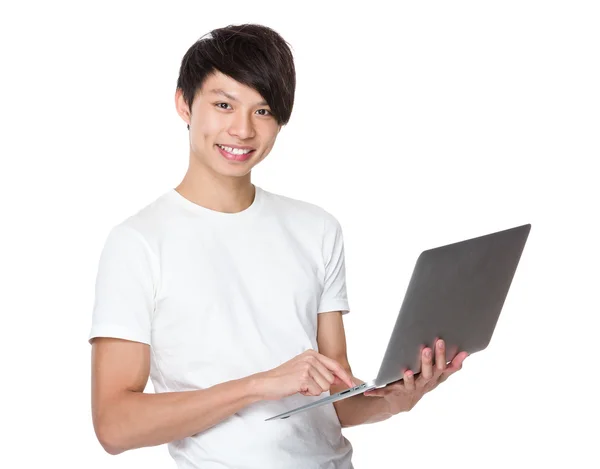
(319, 379)
(455, 365)
(440, 356)
(335, 368)
(323, 371)
(427, 363)
(375, 393)
(409, 380)
(457, 362)
(310, 387)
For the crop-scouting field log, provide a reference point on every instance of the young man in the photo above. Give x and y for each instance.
(229, 297)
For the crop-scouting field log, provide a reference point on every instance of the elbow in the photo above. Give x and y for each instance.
(109, 443)
(112, 450)
(109, 439)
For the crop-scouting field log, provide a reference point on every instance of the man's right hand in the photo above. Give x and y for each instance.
(309, 373)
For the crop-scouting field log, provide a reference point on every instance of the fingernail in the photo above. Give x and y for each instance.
(441, 344)
(428, 353)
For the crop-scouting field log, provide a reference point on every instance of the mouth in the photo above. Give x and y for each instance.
(235, 154)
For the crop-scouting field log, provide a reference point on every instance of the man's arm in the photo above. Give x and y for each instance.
(356, 410)
(126, 418)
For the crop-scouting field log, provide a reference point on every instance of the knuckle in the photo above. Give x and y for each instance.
(311, 359)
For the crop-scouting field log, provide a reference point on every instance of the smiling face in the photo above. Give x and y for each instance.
(231, 126)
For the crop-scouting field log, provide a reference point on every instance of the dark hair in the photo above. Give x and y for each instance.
(251, 54)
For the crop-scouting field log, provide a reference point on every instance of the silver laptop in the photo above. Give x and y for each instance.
(456, 293)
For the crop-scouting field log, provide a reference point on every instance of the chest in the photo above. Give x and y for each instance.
(232, 304)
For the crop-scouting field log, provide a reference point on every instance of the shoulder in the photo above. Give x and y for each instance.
(301, 211)
(147, 224)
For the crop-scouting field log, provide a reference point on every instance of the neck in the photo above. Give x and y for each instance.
(221, 194)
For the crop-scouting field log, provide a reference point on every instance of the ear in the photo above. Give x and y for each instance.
(182, 108)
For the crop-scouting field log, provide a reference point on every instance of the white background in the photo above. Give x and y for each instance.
(416, 125)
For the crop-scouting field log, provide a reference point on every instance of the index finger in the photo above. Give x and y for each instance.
(457, 362)
(335, 368)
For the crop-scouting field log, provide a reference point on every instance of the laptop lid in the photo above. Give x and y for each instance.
(456, 293)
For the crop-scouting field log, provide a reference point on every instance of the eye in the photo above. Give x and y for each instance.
(220, 105)
(268, 113)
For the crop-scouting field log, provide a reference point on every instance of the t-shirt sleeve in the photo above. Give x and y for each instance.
(334, 296)
(125, 287)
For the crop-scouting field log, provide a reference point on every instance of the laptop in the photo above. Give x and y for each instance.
(456, 293)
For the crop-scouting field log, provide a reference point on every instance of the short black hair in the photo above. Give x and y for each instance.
(252, 54)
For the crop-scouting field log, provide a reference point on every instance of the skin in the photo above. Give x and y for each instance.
(124, 416)
(381, 404)
(211, 180)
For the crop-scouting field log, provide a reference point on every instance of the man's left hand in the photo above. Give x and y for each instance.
(403, 395)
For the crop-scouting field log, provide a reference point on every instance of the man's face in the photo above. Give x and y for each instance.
(227, 115)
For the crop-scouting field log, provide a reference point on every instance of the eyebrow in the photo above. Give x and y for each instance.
(233, 98)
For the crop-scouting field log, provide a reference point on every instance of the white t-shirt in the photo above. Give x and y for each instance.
(222, 296)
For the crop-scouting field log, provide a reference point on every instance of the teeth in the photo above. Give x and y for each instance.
(234, 151)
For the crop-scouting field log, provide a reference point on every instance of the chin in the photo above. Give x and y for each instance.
(233, 171)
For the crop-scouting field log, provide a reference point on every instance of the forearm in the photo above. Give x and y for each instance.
(360, 409)
(135, 419)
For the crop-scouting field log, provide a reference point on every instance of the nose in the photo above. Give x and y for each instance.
(241, 126)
